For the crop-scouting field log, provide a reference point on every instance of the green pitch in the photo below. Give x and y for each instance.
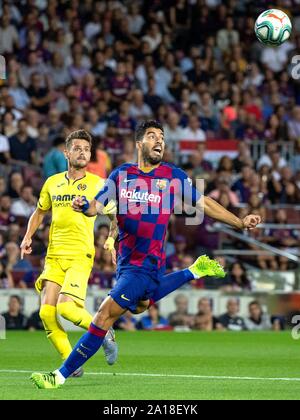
(162, 365)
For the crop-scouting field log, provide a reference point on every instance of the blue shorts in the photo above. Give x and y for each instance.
(133, 285)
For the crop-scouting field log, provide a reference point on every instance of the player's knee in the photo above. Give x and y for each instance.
(47, 313)
(64, 310)
(103, 318)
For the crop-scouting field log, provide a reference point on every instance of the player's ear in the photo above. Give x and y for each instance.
(138, 145)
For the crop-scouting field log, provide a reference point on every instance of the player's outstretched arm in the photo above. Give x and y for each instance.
(34, 222)
(89, 208)
(219, 213)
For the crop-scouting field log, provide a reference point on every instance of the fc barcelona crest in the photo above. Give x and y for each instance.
(161, 184)
(81, 187)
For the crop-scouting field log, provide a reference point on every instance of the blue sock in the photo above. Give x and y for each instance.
(86, 347)
(171, 282)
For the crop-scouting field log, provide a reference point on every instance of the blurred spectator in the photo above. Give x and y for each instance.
(120, 84)
(6, 279)
(223, 193)
(284, 239)
(26, 204)
(18, 93)
(9, 39)
(193, 130)
(238, 278)
(55, 160)
(126, 322)
(22, 147)
(23, 268)
(231, 320)
(4, 149)
(153, 321)
(34, 322)
(172, 130)
(15, 185)
(204, 319)
(242, 186)
(139, 110)
(14, 318)
(40, 96)
(106, 264)
(257, 320)
(6, 216)
(227, 37)
(181, 317)
(174, 260)
(100, 163)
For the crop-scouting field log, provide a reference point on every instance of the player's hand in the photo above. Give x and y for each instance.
(78, 203)
(26, 247)
(109, 245)
(251, 221)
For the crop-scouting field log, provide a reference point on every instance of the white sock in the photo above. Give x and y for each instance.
(194, 274)
(60, 377)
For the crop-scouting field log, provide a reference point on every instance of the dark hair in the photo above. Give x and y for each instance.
(244, 279)
(16, 297)
(58, 141)
(78, 135)
(143, 127)
(254, 302)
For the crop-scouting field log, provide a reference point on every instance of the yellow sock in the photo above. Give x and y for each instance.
(74, 313)
(55, 332)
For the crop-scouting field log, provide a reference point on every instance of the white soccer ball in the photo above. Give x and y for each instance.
(273, 27)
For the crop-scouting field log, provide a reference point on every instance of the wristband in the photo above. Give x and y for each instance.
(86, 206)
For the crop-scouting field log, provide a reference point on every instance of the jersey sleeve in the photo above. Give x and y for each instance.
(185, 189)
(107, 195)
(44, 202)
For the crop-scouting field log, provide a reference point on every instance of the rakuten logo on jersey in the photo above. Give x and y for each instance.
(139, 197)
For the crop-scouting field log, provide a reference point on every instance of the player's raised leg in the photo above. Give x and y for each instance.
(202, 267)
(85, 348)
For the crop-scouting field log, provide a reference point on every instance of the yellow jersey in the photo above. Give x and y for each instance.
(71, 233)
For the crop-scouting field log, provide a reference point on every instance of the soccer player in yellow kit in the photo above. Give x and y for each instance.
(70, 254)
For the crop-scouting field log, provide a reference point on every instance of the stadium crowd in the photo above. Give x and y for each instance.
(195, 66)
(180, 319)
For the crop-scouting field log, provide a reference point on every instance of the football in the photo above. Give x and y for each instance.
(273, 27)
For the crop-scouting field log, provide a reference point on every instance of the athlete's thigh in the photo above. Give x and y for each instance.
(76, 280)
(130, 288)
(53, 272)
(50, 293)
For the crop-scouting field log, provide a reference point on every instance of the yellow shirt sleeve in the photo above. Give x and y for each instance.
(44, 202)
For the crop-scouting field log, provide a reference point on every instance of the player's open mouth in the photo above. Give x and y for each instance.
(157, 149)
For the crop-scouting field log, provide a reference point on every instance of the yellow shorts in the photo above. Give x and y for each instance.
(71, 275)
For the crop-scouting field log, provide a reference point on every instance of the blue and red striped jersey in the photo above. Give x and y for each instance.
(145, 202)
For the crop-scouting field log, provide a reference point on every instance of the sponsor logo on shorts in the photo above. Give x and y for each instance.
(124, 297)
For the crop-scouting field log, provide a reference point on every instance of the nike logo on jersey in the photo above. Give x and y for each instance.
(60, 185)
(125, 298)
(127, 180)
(73, 285)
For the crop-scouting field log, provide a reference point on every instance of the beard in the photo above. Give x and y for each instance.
(78, 165)
(146, 155)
